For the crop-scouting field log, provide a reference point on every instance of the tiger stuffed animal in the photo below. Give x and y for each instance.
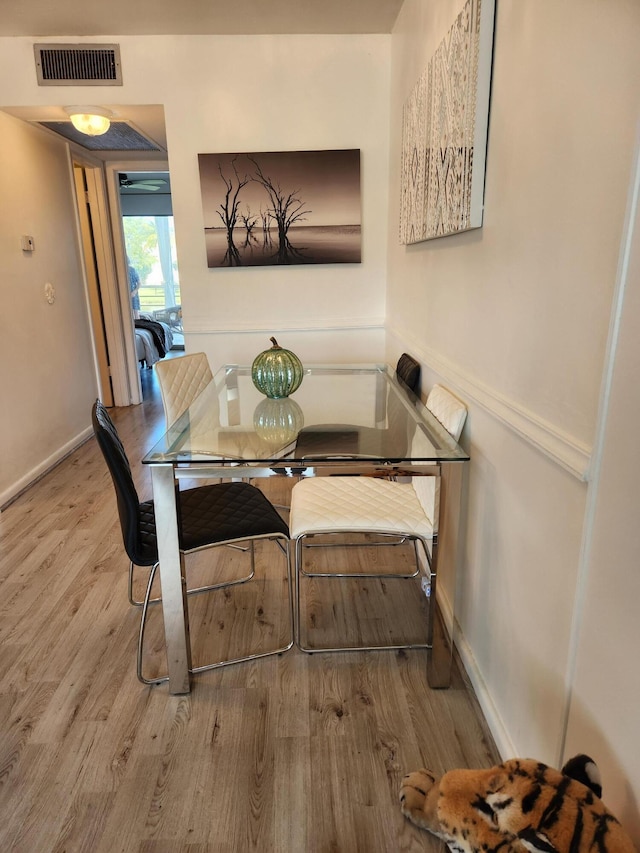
(521, 806)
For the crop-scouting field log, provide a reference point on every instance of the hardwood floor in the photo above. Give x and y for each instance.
(286, 754)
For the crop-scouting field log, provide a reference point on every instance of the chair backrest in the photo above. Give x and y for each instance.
(408, 372)
(451, 412)
(181, 380)
(142, 550)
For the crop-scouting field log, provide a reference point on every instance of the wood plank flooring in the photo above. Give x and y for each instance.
(286, 754)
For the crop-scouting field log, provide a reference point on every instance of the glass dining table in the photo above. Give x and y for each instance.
(343, 419)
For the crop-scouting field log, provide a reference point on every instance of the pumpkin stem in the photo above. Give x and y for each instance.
(274, 342)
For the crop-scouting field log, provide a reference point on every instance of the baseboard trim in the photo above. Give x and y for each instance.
(495, 724)
(564, 449)
(20, 487)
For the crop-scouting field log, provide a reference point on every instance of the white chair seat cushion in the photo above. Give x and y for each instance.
(356, 504)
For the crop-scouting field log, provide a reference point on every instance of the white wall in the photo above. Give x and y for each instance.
(515, 317)
(283, 94)
(606, 684)
(47, 372)
(260, 93)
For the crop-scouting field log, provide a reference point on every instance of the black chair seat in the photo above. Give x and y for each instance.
(211, 514)
(224, 512)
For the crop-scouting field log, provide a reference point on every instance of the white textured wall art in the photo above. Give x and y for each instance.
(445, 124)
(414, 160)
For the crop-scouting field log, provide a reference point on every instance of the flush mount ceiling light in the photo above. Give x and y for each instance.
(94, 121)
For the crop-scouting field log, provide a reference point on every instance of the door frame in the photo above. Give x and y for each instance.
(106, 271)
(94, 295)
(131, 367)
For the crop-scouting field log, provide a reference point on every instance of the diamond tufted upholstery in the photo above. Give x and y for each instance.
(207, 516)
(451, 412)
(323, 506)
(357, 504)
(181, 380)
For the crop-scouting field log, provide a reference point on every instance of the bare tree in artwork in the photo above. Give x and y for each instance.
(265, 217)
(249, 221)
(286, 209)
(228, 212)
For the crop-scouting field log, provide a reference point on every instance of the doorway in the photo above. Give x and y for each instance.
(149, 238)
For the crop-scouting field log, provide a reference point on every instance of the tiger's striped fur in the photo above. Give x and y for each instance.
(521, 806)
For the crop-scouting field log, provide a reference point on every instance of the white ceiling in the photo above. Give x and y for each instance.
(189, 17)
(42, 19)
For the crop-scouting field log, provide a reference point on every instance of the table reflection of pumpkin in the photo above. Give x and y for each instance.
(278, 422)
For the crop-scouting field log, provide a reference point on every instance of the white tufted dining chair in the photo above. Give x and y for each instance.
(451, 412)
(328, 506)
(181, 380)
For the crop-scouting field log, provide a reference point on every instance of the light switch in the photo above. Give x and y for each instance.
(27, 243)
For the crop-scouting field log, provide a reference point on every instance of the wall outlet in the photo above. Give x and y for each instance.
(27, 244)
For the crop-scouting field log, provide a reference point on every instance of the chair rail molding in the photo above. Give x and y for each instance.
(564, 449)
(347, 324)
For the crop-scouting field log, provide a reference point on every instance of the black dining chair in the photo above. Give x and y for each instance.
(209, 516)
(408, 373)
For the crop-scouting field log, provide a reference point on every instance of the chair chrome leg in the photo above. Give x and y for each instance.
(143, 624)
(299, 570)
(132, 600)
(392, 544)
(283, 543)
(194, 591)
(256, 655)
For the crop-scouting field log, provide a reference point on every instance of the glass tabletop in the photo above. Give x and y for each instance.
(339, 412)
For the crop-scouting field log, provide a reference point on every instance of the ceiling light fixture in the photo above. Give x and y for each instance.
(94, 121)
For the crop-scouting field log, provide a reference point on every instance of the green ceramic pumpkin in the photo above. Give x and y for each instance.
(277, 372)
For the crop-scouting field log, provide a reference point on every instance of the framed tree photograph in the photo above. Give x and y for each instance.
(282, 207)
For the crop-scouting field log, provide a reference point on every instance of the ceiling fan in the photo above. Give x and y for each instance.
(150, 184)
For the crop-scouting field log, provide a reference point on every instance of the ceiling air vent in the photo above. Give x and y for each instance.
(78, 64)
